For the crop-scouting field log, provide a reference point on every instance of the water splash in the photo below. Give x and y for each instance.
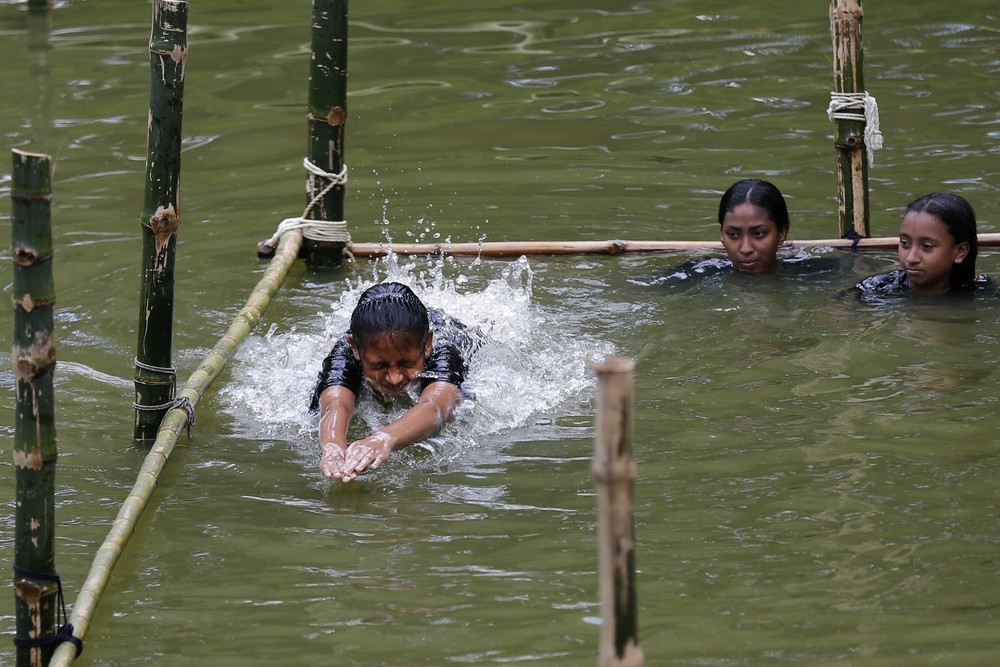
(533, 370)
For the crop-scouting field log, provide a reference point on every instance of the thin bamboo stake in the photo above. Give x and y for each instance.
(849, 136)
(614, 472)
(173, 424)
(327, 116)
(155, 378)
(34, 360)
(615, 247)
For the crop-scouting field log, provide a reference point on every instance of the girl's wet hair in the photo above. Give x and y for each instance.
(389, 308)
(762, 194)
(960, 219)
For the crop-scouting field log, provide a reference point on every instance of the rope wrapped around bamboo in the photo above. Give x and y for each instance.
(170, 429)
(859, 107)
(332, 231)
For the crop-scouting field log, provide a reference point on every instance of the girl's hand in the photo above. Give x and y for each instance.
(331, 463)
(363, 454)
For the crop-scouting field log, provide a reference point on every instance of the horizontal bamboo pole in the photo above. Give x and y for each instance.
(170, 429)
(613, 247)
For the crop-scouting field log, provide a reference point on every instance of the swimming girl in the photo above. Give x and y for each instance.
(938, 245)
(394, 344)
(753, 221)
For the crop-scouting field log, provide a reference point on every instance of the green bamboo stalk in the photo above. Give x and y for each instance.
(154, 376)
(849, 135)
(34, 359)
(326, 119)
(614, 472)
(170, 430)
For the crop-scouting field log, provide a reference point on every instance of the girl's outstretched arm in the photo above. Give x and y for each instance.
(434, 409)
(336, 405)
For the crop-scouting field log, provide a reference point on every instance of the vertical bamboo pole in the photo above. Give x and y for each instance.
(849, 134)
(154, 376)
(34, 359)
(614, 473)
(326, 119)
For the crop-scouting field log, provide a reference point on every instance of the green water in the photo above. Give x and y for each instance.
(816, 478)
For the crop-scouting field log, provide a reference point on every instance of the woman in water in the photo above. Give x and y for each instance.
(753, 224)
(394, 344)
(938, 245)
(753, 221)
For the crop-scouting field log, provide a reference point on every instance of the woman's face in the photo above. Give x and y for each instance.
(391, 362)
(927, 252)
(751, 239)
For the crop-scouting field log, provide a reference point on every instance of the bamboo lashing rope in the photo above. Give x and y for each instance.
(859, 107)
(333, 231)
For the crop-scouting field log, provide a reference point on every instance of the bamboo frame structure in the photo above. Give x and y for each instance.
(155, 379)
(34, 360)
(849, 135)
(326, 120)
(611, 247)
(170, 430)
(614, 473)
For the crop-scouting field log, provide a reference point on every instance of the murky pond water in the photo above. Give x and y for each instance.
(817, 477)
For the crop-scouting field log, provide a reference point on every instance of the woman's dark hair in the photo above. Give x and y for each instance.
(762, 194)
(958, 216)
(389, 308)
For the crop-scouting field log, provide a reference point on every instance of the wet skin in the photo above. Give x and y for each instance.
(927, 252)
(751, 239)
(392, 362)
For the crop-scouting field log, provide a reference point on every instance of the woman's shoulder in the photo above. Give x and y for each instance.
(882, 283)
(693, 269)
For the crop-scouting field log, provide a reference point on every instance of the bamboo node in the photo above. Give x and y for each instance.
(25, 256)
(606, 473)
(336, 116)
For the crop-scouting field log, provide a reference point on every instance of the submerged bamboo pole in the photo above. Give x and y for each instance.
(612, 247)
(614, 472)
(171, 428)
(849, 132)
(326, 119)
(34, 359)
(155, 378)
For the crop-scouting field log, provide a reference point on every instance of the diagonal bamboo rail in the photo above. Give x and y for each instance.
(615, 247)
(173, 423)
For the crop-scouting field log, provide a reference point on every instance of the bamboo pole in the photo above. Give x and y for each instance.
(170, 430)
(34, 359)
(613, 247)
(614, 472)
(326, 119)
(155, 378)
(849, 133)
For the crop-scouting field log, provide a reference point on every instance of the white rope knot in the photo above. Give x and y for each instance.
(334, 231)
(861, 107)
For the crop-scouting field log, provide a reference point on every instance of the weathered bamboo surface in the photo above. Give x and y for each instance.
(610, 247)
(34, 446)
(614, 473)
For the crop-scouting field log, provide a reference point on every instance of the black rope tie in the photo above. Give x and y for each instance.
(65, 632)
(854, 236)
